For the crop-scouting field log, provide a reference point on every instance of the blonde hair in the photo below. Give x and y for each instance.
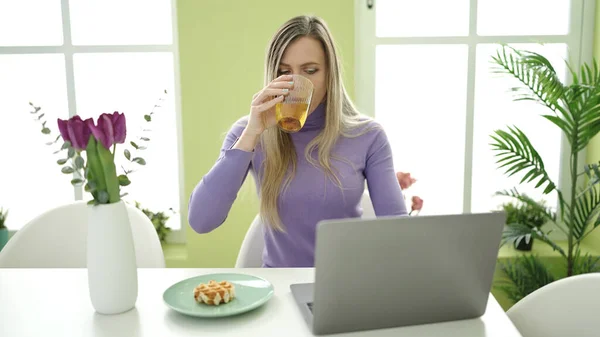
(341, 117)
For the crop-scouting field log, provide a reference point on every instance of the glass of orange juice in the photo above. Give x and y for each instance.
(291, 113)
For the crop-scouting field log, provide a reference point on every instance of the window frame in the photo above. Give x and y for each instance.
(67, 49)
(579, 42)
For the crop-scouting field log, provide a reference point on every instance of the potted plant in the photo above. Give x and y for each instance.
(89, 148)
(574, 109)
(159, 220)
(523, 214)
(3, 229)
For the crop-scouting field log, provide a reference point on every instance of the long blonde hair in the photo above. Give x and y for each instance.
(341, 117)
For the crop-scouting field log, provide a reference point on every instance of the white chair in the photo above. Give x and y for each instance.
(567, 307)
(58, 237)
(250, 254)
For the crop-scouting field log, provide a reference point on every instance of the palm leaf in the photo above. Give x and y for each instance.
(585, 264)
(516, 232)
(583, 99)
(524, 275)
(540, 81)
(515, 194)
(587, 208)
(517, 154)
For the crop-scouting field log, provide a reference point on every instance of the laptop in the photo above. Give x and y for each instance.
(400, 271)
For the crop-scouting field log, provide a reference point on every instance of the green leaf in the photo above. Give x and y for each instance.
(148, 118)
(90, 186)
(110, 173)
(536, 74)
(587, 209)
(95, 172)
(65, 145)
(124, 180)
(67, 170)
(46, 131)
(516, 154)
(145, 139)
(76, 181)
(79, 162)
(139, 160)
(71, 152)
(523, 276)
(103, 197)
(40, 116)
(61, 161)
(534, 205)
(134, 145)
(585, 264)
(127, 154)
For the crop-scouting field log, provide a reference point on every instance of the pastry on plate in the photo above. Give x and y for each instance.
(214, 293)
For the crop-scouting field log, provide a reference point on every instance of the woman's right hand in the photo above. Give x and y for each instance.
(262, 110)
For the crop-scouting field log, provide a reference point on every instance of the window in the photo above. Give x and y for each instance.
(423, 71)
(79, 57)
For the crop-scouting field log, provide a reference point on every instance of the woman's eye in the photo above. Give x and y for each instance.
(284, 72)
(311, 71)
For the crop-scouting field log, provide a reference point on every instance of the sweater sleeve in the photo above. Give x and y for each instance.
(214, 195)
(384, 189)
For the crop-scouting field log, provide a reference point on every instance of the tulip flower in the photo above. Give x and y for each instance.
(75, 131)
(405, 180)
(110, 129)
(417, 204)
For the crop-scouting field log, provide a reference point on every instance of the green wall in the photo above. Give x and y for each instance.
(222, 45)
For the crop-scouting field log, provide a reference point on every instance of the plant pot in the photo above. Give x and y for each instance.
(523, 245)
(111, 261)
(3, 237)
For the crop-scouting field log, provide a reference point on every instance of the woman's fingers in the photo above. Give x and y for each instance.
(268, 104)
(269, 93)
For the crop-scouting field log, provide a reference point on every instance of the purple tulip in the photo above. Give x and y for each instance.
(110, 129)
(75, 131)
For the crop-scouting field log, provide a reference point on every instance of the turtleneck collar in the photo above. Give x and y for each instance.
(316, 120)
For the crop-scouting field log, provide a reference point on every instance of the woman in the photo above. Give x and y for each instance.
(315, 174)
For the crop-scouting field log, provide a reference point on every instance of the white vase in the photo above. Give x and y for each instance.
(111, 262)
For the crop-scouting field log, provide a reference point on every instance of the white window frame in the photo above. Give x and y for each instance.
(579, 41)
(68, 50)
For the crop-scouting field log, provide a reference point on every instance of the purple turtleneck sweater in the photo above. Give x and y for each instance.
(311, 195)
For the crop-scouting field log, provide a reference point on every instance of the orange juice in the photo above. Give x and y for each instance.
(291, 116)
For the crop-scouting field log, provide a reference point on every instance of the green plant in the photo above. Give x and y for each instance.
(159, 220)
(524, 275)
(3, 216)
(575, 109)
(522, 214)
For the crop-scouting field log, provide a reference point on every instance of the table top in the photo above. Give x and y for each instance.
(55, 302)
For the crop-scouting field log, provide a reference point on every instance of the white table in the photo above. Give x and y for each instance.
(55, 302)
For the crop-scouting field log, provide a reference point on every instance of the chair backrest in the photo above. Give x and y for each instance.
(250, 254)
(58, 239)
(567, 307)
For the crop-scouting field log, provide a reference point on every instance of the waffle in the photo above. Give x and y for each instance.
(214, 293)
